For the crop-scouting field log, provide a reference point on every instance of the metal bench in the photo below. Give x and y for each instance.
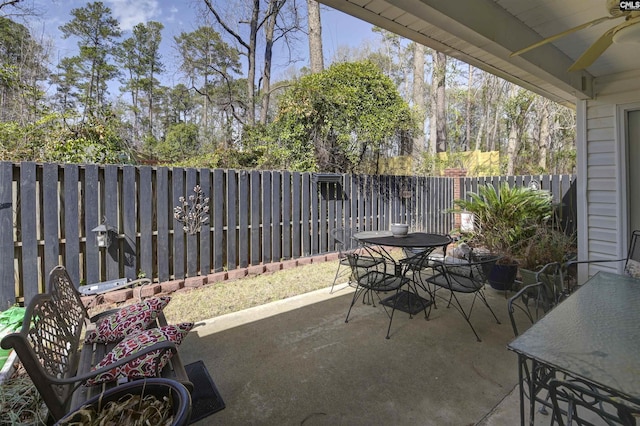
(51, 347)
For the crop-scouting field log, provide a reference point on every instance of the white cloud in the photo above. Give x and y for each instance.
(133, 12)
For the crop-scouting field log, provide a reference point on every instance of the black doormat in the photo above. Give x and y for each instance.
(205, 398)
(407, 301)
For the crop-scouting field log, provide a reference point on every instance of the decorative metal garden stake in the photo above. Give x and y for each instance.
(194, 212)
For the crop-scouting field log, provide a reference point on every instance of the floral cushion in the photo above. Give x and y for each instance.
(632, 268)
(145, 365)
(127, 321)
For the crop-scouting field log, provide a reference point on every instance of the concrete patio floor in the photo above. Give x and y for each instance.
(296, 362)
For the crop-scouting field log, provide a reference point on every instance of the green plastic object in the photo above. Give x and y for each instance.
(10, 321)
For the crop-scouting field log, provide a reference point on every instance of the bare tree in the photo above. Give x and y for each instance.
(275, 27)
(17, 8)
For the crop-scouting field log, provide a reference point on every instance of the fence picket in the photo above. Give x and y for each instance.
(276, 217)
(146, 221)
(92, 218)
(129, 199)
(111, 214)
(50, 213)
(287, 244)
(217, 205)
(305, 215)
(191, 180)
(177, 191)
(163, 213)
(244, 215)
(7, 249)
(232, 210)
(266, 217)
(204, 264)
(296, 214)
(27, 199)
(71, 226)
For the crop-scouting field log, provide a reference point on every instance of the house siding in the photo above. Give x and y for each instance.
(605, 231)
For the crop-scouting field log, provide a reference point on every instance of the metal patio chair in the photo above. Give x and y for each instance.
(373, 282)
(532, 302)
(344, 243)
(463, 276)
(631, 264)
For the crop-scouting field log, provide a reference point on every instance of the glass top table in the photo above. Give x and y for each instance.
(594, 335)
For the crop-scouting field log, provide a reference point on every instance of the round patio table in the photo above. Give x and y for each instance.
(411, 240)
(408, 301)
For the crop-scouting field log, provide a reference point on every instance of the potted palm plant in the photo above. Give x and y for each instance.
(505, 218)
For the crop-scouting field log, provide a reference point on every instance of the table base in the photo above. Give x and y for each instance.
(407, 301)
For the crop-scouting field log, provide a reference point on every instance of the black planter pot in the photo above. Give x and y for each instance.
(502, 277)
(158, 387)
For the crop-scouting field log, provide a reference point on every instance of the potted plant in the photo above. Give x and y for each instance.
(505, 218)
(148, 401)
(544, 253)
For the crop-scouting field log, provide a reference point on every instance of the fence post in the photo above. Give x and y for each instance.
(456, 175)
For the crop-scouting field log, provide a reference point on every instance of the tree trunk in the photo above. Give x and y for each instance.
(316, 58)
(467, 141)
(513, 138)
(545, 135)
(270, 23)
(251, 62)
(418, 99)
(438, 129)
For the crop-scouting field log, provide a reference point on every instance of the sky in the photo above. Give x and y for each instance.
(178, 16)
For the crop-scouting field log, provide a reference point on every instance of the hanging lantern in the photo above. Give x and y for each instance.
(104, 234)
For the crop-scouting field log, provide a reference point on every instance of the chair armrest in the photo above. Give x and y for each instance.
(578, 262)
(101, 315)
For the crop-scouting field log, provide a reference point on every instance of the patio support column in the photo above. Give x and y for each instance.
(456, 175)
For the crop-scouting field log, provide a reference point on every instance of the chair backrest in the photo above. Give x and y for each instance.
(578, 404)
(67, 298)
(554, 276)
(342, 238)
(358, 272)
(531, 302)
(469, 275)
(48, 347)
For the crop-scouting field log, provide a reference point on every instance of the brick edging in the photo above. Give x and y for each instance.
(186, 284)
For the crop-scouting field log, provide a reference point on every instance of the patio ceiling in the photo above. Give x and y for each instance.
(483, 33)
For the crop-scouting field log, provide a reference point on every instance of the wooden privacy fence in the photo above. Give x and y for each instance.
(48, 212)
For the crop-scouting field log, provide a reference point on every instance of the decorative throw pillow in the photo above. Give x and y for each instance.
(632, 268)
(144, 365)
(127, 321)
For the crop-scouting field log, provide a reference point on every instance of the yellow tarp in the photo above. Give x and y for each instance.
(476, 163)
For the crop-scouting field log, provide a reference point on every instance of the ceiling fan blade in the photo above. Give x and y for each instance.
(562, 34)
(594, 51)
